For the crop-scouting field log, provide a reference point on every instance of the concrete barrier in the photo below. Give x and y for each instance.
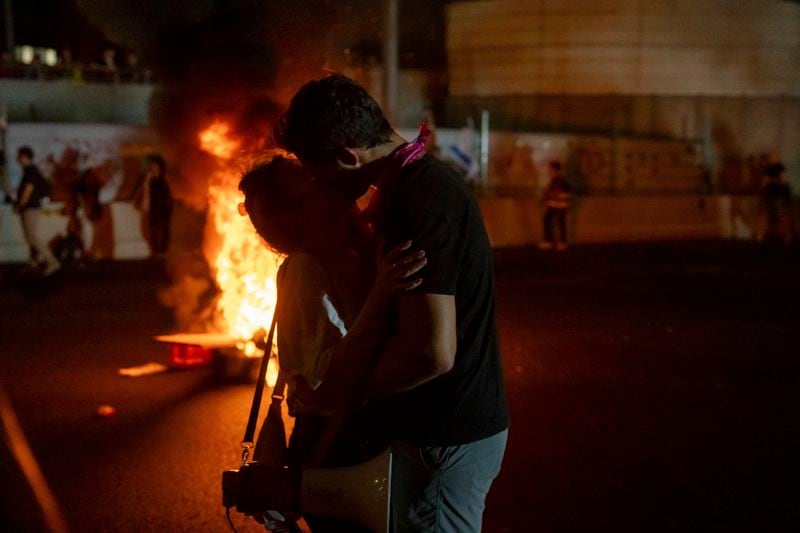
(117, 235)
(517, 221)
(510, 221)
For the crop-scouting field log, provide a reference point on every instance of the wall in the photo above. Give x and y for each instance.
(660, 47)
(68, 101)
(510, 221)
(108, 156)
(718, 74)
(518, 162)
(517, 221)
(731, 133)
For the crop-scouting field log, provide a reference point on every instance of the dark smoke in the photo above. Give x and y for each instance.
(237, 60)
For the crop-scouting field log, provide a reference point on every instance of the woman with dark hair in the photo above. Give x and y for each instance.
(154, 199)
(333, 303)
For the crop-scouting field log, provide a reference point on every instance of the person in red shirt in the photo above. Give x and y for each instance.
(557, 200)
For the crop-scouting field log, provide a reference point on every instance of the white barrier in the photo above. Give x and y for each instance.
(510, 221)
(120, 228)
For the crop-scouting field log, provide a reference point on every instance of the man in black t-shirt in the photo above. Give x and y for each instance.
(439, 376)
(32, 192)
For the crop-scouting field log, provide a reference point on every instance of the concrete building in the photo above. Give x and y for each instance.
(664, 97)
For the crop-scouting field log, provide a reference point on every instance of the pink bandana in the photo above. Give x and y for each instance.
(411, 151)
(401, 157)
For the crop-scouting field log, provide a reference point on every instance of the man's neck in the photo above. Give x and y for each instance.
(382, 150)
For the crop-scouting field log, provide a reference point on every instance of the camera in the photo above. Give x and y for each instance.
(258, 487)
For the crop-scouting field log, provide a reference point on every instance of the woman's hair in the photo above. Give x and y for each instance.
(273, 198)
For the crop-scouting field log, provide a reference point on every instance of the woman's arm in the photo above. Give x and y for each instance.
(353, 357)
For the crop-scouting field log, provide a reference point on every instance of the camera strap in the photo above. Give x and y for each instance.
(277, 392)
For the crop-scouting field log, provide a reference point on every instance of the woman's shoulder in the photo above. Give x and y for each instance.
(301, 262)
(302, 269)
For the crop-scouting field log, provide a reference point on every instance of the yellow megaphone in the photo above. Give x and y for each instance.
(359, 493)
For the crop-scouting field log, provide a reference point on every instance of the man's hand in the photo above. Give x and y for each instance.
(395, 267)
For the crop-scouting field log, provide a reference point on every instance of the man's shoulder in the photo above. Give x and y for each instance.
(434, 169)
(431, 184)
(32, 170)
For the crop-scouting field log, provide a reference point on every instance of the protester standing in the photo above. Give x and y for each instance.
(154, 199)
(32, 193)
(557, 199)
(776, 201)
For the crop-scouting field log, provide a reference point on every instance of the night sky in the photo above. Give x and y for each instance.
(60, 24)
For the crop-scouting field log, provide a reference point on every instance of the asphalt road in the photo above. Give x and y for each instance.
(652, 388)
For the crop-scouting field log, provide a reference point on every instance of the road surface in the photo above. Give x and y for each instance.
(652, 388)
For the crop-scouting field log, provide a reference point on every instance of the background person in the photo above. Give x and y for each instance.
(154, 199)
(776, 204)
(557, 200)
(32, 193)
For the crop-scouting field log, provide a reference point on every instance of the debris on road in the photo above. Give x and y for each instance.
(143, 370)
(106, 411)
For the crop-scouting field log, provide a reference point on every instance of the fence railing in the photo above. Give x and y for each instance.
(76, 73)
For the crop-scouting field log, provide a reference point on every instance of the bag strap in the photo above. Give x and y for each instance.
(277, 393)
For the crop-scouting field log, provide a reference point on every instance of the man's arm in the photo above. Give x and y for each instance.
(424, 341)
(423, 347)
(24, 196)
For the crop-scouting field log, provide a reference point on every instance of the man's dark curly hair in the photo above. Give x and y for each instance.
(273, 197)
(329, 114)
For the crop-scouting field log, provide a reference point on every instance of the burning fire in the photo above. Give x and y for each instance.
(244, 268)
(217, 141)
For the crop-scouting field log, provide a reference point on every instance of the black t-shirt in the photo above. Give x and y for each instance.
(429, 204)
(41, 189)
(160, 199)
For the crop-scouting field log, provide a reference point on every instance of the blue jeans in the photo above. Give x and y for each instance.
(443, 489)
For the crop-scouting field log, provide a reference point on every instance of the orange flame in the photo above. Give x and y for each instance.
(244, 268)
(217, 140)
